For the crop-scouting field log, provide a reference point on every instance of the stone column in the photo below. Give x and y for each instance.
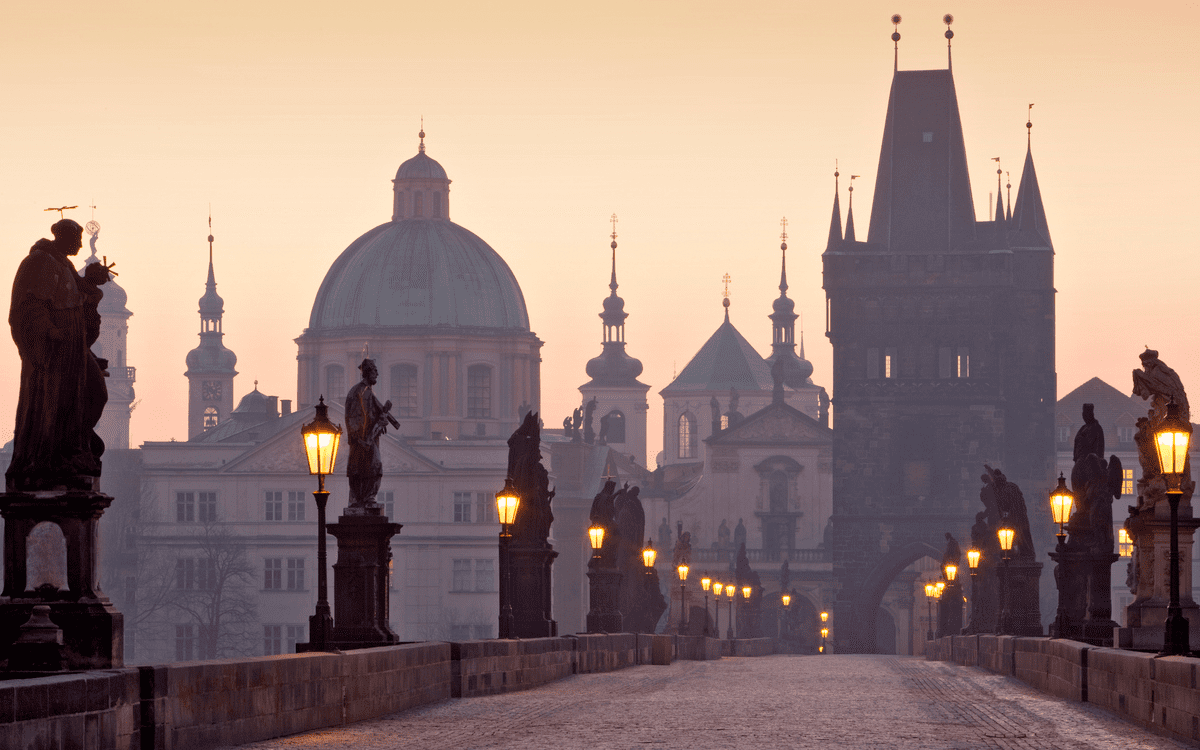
(360, 581)
(1150, 527)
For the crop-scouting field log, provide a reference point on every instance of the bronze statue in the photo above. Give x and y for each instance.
(366, 421)
(54, 321)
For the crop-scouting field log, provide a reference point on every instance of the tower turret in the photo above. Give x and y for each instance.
(796, 370)
(210, 366)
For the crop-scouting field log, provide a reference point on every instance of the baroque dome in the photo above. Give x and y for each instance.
(421, 167)
(418, 273)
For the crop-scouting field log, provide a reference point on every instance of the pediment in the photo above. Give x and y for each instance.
(284, 454)
(776, 424)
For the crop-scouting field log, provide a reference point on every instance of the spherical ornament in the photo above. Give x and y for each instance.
(896, 36)
(783, 246)
(947, 19)
(896, 18)
(725, 302)
(210, 238)
(92, 227)
(949, 34)
(613, 245)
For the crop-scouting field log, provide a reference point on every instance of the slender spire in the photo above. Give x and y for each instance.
(783, 287)
(1008, 186)
(801, 337)
(1028, 129)
(613, 367)
(211, 285)
(835, 222)
(613, 283)
(850, 211)
(999, 195)
(1028, 214)
(948, 19)
(896, 40)
(421, 135)
(725, 296)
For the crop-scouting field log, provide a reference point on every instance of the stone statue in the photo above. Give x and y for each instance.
(777, 378)
(1160, 385)
(682, 554)
(953, 553)
(1006, 504)
(748, 612)
(739, 535)
(576, 421)
(723, 539)
(604, 514)
(1096, 483)
(366, 421)
(532, 525)
(566, 427)
(734, 415)
(1090, 438)
(589, 435)
(602, 438)
(785, 576)
(664, 535)
(716, 414)
(823, 408)
(54, 321)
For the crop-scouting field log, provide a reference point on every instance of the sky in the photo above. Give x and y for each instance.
(700, 124)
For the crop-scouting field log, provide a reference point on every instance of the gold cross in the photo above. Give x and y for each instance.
(726, 279)
(783, 223)
(614, 223)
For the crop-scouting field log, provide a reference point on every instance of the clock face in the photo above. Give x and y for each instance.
(211, 390)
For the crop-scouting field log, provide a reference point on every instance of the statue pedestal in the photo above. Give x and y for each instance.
(603, 587)
(1145, 617)
(360, 581)
(1021, 579)
(950, 609)
(92, 628)
(531, 594)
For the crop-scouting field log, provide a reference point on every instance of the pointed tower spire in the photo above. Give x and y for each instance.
(1029, 215)
(850, 211)
(783, 287)
(999, 195)
(210, 366)
(835, 222)
(612, 284)
(796, 370)
(948, 19)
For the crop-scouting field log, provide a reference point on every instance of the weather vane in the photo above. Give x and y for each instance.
(60, 209)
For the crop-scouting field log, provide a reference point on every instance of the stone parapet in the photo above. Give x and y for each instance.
(501, 666)
(103, 706)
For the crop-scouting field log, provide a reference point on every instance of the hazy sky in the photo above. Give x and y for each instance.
(700, 124)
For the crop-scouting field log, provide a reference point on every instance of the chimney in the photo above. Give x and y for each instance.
(286, 406)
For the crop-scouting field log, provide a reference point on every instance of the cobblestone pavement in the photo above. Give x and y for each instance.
(767, 702)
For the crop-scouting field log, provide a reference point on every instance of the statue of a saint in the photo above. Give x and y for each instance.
(723, 537)
(589, 435)
(366, 421)
(739, 534)
(664, 535)
(54, 322)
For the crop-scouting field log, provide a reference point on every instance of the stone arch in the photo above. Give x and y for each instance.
(861, 625)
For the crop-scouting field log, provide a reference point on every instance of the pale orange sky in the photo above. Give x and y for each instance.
(698, 123)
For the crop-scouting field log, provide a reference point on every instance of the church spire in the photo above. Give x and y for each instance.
(796, 370)
(614, 367)
(999, 195)
(1029, 215)
(835, 221)
(850, 212)
(210, 366)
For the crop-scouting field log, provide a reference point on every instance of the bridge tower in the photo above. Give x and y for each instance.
(942, 329)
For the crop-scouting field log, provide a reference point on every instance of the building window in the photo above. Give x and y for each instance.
(185, 573)
(1127, 482)
(295, 506)
(185, 507)
(927, 137)
(274, 506)
(273, 574)
(437, 204)
(272, 640)
(872, 363)
(724, 421)
(404, 390)
(1064, 433)
(616, 427)
(954, 363)
(479, 392)
(295, 574)
(418, 205)
(206, 507)
(388, 500)
(335, 382)
(195, 574)
(295, 634)
(889, 363)
(462, 507)
(1125, 434)
(210, 417)
(460, 580)
(185, 642)
(687, 436)
(484, 505)
(963, 363)
(485, 575)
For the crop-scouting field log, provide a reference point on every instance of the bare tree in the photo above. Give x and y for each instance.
(213, 591)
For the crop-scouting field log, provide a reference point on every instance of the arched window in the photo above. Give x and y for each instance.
(437, 205)
(418, 204)
(479, 392)
(335, 383)
(778, 483)
(399, 204)
(687, 436)
(616, 427)
(210, 417)
(404, 390)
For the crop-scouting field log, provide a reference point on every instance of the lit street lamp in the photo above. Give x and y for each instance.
(1061, 500)
(648, 555)
(973, 557)
(786, 600)
(1005, 535)
(705, 582)
(930, 593)
(717, 588)
(507, 501)
(1171, 443)
(732, 602)
(321, 438)
(604, 582)
(683, 571)
(824, 635)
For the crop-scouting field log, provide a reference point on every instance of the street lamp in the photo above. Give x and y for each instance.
(786, 600)
(705, 582)
(824, 635)
(683, 571)
(824, 617)
(321, 439)
(930, 593)
(1061, 500)
(973, 557)
(717, 588)
(648, 555)
(1171, 442)
(507, 501)
(1005, 534)
(732, 601)
(596, 539)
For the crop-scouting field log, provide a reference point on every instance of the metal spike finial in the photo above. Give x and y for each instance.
(948, 19)
(612, 284)
(783, 235)
(421, 135)
(1029, 125)
(783, 285)
(896, 19)
(725, 296)
(60, 210)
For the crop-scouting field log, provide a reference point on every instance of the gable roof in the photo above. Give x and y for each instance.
(1113, 408)
(727, 360)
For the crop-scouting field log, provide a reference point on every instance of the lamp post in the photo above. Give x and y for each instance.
(930, 592)
(507, 501)
(950, 616)
(683, 571)
(321, 438)
(824, 635)
(746, 590)
(604, 583)
(973, 557)
(732, 607)
(705, 582)
(1005, 534)
(1061, 500)
(786, 600)
(717, 588)
(1171, 443)
(824, 621)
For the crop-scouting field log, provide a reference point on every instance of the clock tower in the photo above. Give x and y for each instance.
(210, 366)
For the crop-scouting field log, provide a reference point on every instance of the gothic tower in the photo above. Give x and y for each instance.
(621, 404)
(210, 366)
(112, 344)
(942, 329)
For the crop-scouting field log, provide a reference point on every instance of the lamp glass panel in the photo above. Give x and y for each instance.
(705, 582)
(718, 588)
(596, 536)
(746, 592)
(1060, 507)
(973, 556)
(951, 572)
(506, 507)
(824, 617)
(787, 599)
(648, 556)
(1005, 536)
(1172, 450)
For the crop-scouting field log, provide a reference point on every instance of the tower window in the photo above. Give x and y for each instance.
(687, 436)
(404, 390)
(479, 392)
(616, 427)
(335, 382)
(437, 205)
(210, 417)
(418, 204)
(889, 363)
(963, 363)
(927, 136)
